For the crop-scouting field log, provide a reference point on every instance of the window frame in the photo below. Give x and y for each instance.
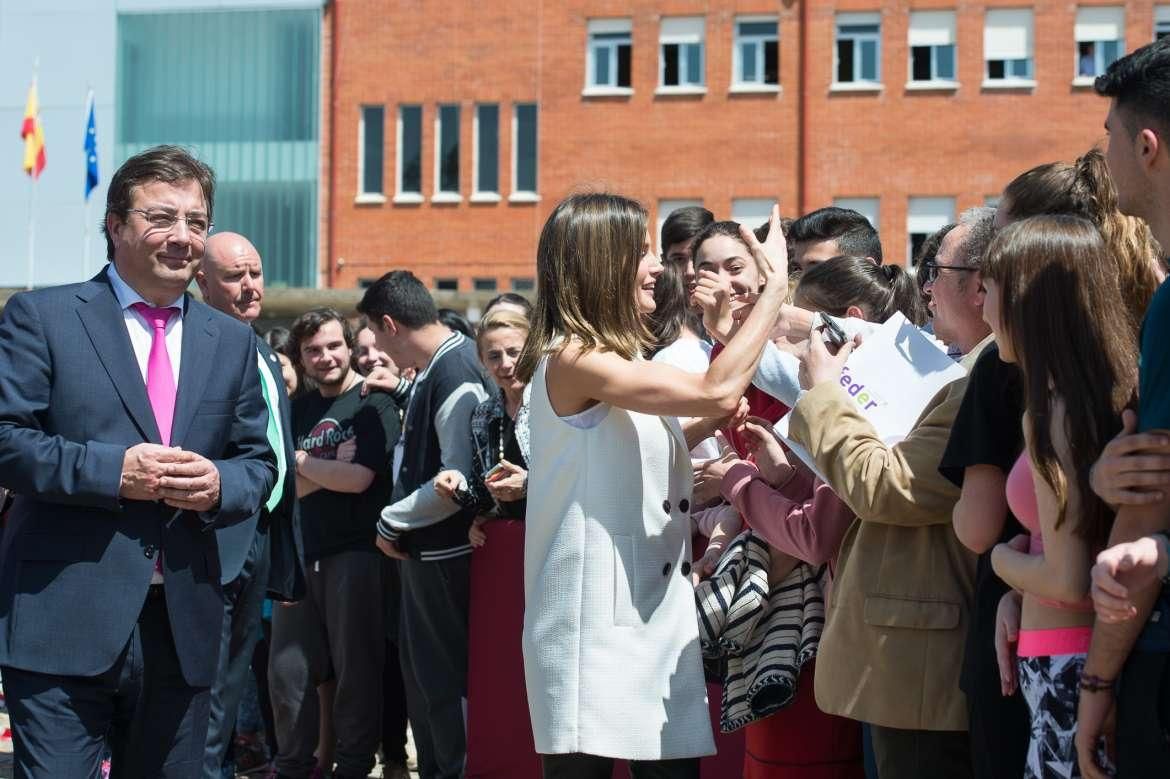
(618, 32)
(441, 195)
(857, 39)
(402, 195)
(934, 80)
(1098, 44)
(365, 195)
(478, 193)
(525, 195)
(952, 202)
(1010, 79)
(682, 32)
(760, 41)
(1161, 21)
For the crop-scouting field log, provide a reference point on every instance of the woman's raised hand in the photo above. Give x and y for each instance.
(713, 298)
(771, 256)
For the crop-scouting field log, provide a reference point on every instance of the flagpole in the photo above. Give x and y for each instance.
(32, 196)
(32, 232)
(86, 251)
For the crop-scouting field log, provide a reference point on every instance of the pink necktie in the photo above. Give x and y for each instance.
(160, 379)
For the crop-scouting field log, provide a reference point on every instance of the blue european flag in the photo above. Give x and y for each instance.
(91, 160)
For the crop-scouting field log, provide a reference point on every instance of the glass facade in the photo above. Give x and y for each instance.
(245, 99)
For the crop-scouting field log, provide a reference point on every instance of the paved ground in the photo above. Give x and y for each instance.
(6, 751)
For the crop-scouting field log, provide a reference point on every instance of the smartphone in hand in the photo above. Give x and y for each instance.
(496, 472)
(832, 332)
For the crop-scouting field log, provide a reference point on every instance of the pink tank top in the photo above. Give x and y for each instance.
(1021, 499)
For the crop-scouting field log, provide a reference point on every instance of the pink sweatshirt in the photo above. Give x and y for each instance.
(803, 518)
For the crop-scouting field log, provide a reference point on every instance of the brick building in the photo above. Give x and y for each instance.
(453, 128)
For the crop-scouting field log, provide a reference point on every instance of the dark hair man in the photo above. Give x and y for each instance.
(344, 442)
(679, 229)
(1131, 656)
(132, 422)
(257, 556)
(828, 232)
(428, 532)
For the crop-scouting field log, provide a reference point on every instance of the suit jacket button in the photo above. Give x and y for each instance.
(684, 505)
(666, 506)
(149, 551)
(685, 569)
(666, 569)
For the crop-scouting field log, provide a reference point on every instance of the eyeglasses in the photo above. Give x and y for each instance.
(199, 226)
(933, 268)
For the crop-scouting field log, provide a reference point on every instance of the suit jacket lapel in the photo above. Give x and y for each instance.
(200, 339)
(106, 326)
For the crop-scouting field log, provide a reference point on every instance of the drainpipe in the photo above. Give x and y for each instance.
(802, 114)
(332, 108)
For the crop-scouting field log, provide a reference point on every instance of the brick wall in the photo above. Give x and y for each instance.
(894, 143)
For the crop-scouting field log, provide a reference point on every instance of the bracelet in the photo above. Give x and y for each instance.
(1091, 683)
(1165, 540)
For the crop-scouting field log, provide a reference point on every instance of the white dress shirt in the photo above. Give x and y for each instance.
(141, 335)
(142, 332)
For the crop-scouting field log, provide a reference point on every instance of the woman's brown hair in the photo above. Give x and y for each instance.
(1059, 293)
(878, 290)
(1084, 189)
(586, 271)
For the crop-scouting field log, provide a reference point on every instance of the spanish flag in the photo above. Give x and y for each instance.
(33, 135)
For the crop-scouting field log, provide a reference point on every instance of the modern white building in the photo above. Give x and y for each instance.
(237, 81)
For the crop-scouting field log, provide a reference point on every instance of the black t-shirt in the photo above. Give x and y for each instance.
(333, 522)
(987, 431)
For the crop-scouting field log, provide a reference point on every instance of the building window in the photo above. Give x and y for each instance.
(523, 285)
(370, 150)
(932, 46)
(447, 150)
(483, 285)
(1007, 46)
(858, 51)
(1100, 36)
(869, 207)
(665, 209)
(410, 150)
(681, 47)
(524, 149)
(487, 149)
(756, 56)
(1161, 21)
(752, 211)
(607, 59)
(925, 216)
(447, 285)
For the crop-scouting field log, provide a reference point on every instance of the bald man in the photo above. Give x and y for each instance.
(259, 556)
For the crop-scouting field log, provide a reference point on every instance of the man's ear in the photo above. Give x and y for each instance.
(389, 325)
(113, 226)
(201, 280)
(1148, 146)
(855, 312)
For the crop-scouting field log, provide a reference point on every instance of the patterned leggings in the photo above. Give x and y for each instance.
(1050, 687)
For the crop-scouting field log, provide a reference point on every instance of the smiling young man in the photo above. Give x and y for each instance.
(344, 443)
(132, 423)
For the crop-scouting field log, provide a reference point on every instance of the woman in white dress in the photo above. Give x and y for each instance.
(611, 650)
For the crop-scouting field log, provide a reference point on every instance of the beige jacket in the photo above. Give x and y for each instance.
(895, 632)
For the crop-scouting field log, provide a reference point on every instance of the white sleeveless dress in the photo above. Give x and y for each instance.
(611, 644)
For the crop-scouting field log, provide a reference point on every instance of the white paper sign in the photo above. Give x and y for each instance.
(891, 377)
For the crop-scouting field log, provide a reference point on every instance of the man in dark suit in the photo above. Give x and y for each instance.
(256, 556)
(131, 425)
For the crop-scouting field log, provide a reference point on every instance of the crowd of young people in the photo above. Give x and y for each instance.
(570, 535)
